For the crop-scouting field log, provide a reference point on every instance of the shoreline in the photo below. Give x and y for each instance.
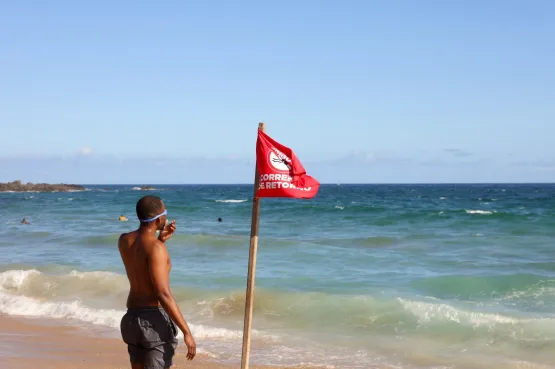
(29, 343)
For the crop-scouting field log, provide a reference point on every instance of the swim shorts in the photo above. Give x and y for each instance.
(151, 337)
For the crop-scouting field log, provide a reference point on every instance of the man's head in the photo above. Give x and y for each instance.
(151, 210)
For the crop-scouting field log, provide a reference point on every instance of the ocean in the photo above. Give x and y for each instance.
(361, 276)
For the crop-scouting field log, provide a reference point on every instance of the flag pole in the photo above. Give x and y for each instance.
(249, 300)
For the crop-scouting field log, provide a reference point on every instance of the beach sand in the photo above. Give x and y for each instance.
(31, 343)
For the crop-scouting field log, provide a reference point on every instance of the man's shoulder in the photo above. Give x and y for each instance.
(155, 246)
(127, 238)
(124, 236)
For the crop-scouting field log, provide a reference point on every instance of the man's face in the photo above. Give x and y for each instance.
(163, 219)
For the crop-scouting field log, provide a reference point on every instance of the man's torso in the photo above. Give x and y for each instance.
(135, 250)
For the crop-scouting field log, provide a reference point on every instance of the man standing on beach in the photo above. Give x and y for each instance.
(149, 326)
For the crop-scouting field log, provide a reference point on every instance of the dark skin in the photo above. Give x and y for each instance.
(147, 264)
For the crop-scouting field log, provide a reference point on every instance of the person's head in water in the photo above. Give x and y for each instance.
(219, 219)
(151, 212)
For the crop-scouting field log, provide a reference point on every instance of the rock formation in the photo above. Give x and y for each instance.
(17, 186)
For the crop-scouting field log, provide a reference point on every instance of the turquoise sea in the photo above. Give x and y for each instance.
(362, 276)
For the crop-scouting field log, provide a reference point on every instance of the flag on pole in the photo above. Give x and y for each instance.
(281, 173)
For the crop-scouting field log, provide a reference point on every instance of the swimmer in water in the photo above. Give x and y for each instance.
(220, 220)
(122, 218)
(24, 221)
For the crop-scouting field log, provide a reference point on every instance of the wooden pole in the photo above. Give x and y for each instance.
(249, 300)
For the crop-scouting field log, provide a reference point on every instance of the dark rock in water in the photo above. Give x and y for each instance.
(17, 186)
(147, 188)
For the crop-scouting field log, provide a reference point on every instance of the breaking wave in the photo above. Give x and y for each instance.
(483, 212)
(15, 285)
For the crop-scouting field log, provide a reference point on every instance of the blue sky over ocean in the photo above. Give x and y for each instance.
(363, 91)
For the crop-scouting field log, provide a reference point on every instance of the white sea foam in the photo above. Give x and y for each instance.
(339, 207)
(231, 201)
(96, 273)
(17, 305)
(12, 302)
(427, 312)
(483, 212)
(14, 279)
(73, 285)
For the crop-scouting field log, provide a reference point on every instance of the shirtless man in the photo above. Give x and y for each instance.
(149, 326)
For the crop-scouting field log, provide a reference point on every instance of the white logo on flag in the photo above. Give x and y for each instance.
(279, 162)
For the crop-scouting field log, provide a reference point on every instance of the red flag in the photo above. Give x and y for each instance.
(281, 172)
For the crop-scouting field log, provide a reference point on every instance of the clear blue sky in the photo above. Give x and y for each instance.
(363, 91)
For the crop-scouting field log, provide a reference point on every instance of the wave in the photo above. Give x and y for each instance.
(347, 314)
(76, 310)
(25, 306)
(73, 295)
(428, 312)
(15, 282)
(61, 284)
(396, 316)
(82, 284)
(483, 212)
(232, 201)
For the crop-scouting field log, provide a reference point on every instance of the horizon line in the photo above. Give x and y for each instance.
(139, 184)
(322, 183)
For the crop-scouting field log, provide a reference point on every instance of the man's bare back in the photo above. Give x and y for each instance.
(135, 250)
(147, 264)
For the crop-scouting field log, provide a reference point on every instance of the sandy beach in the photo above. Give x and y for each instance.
(32, 343)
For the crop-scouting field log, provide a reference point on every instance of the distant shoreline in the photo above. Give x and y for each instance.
(17, 186)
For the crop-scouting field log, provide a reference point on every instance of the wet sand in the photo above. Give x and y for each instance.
(30, 344)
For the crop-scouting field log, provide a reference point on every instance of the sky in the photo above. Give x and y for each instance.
(363, 91)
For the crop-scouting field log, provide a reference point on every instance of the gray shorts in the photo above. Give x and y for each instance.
(150, 336)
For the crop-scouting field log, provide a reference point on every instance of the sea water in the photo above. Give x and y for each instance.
(361, 276)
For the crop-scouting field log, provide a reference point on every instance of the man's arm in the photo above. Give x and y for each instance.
(158, 267)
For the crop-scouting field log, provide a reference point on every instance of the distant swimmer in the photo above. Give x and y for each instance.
(122, 218)
(220, 220)
(24, 221)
